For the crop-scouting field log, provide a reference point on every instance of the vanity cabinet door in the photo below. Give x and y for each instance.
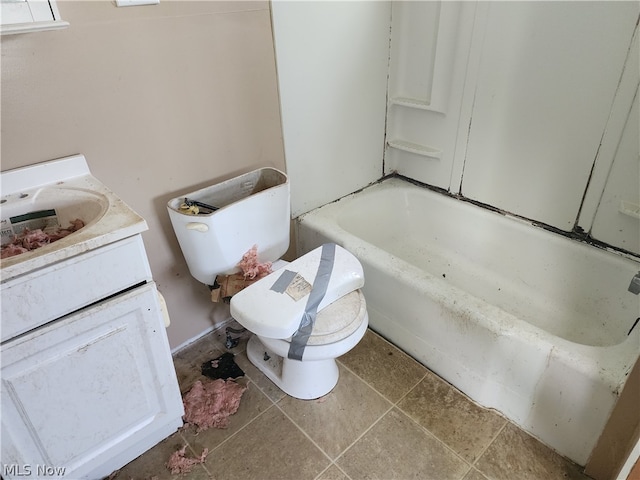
(85, 395)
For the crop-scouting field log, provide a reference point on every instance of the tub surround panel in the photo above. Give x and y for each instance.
(426, 79)
(616, 168)
(531, 121)
(540, 107)
(617, 219)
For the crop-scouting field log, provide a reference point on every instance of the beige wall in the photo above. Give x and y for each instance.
(161, 100)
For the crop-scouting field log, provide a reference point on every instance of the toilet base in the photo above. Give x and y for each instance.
(304, 380)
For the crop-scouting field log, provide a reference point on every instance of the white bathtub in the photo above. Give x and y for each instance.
(522, 320)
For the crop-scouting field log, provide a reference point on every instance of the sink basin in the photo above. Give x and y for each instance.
(69, 204)
(60, 192)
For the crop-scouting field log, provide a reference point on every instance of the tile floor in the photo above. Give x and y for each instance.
(388, 418)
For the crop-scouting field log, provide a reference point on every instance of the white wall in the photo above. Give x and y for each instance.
(332, 62)
(543, 93)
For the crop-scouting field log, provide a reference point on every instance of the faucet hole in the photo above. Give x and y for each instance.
(24, 195)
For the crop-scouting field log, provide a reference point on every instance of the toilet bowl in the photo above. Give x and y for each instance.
(317, 373)
(303, 315)
(275, 317)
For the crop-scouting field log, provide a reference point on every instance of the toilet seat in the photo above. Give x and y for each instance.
(338, 320)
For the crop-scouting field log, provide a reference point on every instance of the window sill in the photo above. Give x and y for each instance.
(32, 27)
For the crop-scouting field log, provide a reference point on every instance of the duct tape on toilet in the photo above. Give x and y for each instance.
(297, 287)
(293, 284)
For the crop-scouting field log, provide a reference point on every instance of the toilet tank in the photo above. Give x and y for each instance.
(251, 209)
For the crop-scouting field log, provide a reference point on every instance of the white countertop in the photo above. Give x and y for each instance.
(70, 174)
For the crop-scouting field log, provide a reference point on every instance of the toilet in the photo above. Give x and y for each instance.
(304, 314)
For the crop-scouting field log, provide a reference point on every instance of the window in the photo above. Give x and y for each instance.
(19, 16)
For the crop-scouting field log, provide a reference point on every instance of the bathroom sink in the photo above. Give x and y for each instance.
(68, 204)
(52, 196)
(50, 212)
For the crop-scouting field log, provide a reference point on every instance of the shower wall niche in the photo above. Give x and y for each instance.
(529, 107)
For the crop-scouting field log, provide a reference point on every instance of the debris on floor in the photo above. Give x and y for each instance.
(251, 270)
(178, 463)
(232, 342)
(209, 403)
(226, 286)
(223, 367)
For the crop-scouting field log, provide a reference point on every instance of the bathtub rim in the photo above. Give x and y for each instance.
(390, 182)
(609, 358)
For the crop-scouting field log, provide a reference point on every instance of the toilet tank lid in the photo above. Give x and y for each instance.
(274, 306)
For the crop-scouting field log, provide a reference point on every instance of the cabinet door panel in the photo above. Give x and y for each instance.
(88, 385)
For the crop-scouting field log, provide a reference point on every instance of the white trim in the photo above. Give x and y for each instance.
(633, 457)
(22, 16)
(192, 340)
(32, 27)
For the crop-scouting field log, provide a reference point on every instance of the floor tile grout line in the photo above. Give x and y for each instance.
(303, 432)
(364, 432)
(484, 450)
(226, 439)
(342, 470)
(190, 447)
(319, 475)
(437, 439)
(378, 391)
(393, 405)
(241, 429)
(470, 465)
(333, 461)
(332, 464)
(410, 390)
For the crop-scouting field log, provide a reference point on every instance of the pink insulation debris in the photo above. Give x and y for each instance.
(31, 239)
(178, 463)
(250, 266)
(209, 403)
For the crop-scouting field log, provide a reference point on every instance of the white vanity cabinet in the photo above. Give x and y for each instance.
(90, 385)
